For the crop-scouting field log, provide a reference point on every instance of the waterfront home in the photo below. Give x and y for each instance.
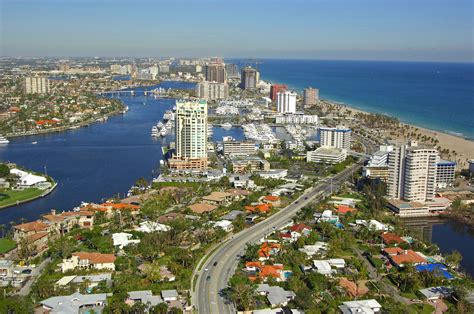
(360, 306)
(145, 297)
(399, 257)
(65, 221)
(110, 208)
(74, 303)
(123, 239)
(28, 229)
(27, 179)
(276, 296)
(88, 260)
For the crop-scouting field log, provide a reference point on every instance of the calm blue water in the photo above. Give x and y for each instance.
(439, 96)
(92, 163)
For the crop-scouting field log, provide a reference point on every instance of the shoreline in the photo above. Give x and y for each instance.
(67, 128)
(460, 147)
(45, 193)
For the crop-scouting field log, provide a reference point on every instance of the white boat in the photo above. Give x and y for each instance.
(125, 110)
(163, 132)
(154, 131)
(34, 143)
(227, 126)
(159, 125)
(4, 140)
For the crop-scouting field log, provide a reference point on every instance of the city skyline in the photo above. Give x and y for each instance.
(362, 30)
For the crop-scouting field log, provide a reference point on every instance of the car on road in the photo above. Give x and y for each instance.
(206, 269)
(215, 263)
(208, 278)
(26, 271)
(296, 202)
(305, 197)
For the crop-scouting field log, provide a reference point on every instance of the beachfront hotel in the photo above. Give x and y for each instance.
(338, 137)
(191, 136)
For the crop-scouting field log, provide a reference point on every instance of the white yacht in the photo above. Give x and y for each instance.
(154, 131)
(227, 126)
(4, 140)
(163, 132)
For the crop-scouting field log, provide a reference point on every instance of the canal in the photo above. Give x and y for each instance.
(105, 159)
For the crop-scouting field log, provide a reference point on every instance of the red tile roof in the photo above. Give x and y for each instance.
(407, 257)
(392, 250)
(267, 249)
(390, 238)
(32, 226)
(95, 258)
(300, 228)
(343, 209)
(271, 198)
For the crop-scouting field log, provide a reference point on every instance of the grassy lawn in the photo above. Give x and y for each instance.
(9, 197)
(421, 308)
(6, 245)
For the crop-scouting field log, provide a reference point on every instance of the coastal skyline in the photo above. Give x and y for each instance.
(362, 30)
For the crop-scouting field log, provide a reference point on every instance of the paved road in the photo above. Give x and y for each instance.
(222, 263)
(25, 290)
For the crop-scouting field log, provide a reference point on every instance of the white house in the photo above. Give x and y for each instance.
(88, 260)
(27, 179)
(360, 306)
(225, 225)
(123, 239)
(152, 226)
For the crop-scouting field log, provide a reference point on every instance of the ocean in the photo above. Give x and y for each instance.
(437, 96)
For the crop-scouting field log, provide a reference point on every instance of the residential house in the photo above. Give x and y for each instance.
(399, 257)
(353, 289)
(436, 293)
(260, 208)
(74, 303)
(200, 208)
(318, 247)
(276, 295)
(144, 296)
(275, 201)
(218, 198)
(344, 209)
(88, 260)
(6, 268)
(123, 239)
(152, 226)
(225, 225)
(232, 215)
(268, 249)
(392, 239)
(325, 267)
(169, 295)
(361, 307)
(33, 234)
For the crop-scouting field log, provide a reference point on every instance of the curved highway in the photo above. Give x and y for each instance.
(221, 264)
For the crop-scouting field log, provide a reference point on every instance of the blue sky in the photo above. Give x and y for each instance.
(321, 29)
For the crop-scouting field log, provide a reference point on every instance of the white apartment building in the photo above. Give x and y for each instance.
(286, 102)
(212, 90)
(36, 85)
(329, 155)
(296, 118)
(412, 173)
(191, 135)
(338, 137)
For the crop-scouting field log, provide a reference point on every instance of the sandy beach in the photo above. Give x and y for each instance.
(460, 149)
